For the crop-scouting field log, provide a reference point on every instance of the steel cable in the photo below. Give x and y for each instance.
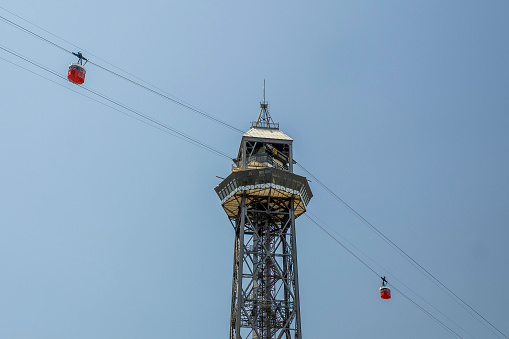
(374, 272)
(203, 145)
(419, 267)
(167, 97)
(147, 118)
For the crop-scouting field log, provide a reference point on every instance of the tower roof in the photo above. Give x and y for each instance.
(266, 133)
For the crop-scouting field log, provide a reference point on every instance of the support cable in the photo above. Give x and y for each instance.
(87, 52)
(182, 136)
(149, 120)
(178, 102)
(96, 57)
(167, 129)
(385, 270)
(374, 272)
(174, 99)
(419, 267)
(103, 103)
(188, 106)
(21, 28)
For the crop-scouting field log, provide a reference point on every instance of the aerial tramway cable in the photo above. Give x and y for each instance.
(205, 146)
(374, 272)
(310, 215)
(407, 257)
(167, 97)
(151, 120)
(161, 126)
(96, 57)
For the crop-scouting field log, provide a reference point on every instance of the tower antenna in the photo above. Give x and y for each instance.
(264, 119)
(263, 90)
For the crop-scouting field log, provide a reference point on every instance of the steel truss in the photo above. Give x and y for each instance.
(265, 291)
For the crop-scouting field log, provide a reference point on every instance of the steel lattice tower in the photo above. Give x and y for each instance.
(262, 198)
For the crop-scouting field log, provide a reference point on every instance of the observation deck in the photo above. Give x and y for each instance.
(266, 182)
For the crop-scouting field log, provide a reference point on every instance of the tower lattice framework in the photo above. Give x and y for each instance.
(262, 198)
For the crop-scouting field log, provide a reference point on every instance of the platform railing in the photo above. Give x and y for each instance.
(265, 160)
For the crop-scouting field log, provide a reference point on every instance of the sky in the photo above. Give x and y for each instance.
(110, 227)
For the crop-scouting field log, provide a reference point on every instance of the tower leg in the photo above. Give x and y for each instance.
(238, 265)
(298, 334)
(265, 297)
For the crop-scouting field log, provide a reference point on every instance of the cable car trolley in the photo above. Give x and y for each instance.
(77, 71)
(385, 291)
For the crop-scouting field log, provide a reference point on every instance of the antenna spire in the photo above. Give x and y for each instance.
(264, 119)
(263, 90)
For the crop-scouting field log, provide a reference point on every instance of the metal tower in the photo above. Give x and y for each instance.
(262, 198)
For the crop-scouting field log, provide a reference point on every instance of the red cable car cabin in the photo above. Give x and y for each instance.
(385, 292)
(76, 74)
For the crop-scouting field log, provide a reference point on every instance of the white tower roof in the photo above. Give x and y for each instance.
(266, 133)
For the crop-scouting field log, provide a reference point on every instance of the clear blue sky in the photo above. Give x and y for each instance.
(110, 228)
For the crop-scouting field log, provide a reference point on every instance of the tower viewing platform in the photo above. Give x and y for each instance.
(263, 182)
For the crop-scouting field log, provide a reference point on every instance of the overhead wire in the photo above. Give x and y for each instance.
(231, 127)
(12, 23)
(190, 107)
(176, 132)
(153, 121)
(312, 215)
(168, 129)
(425, 311)
(178, 102)
(419, 267)
(89, 53)
(156, 92)
(103, 103)
(378, 275)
